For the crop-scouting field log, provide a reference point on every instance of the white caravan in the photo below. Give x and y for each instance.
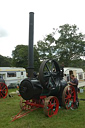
(78, 73)
(12, 75)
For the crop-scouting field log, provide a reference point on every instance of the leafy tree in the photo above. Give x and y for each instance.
(20, 57)
(5, 61)
(36, 59)
(45, 48)
(70, 45)
(65, 44)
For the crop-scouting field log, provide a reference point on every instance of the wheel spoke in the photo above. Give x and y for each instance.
(3, 93)
(66, 94)
(48, 109)
(52, 66)
(2, 85)
(47, 67)
(52, 112)
(66, 98)
(53, 80)
(3, 88)
(67, 101)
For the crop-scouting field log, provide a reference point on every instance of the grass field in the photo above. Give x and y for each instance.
(36, 119)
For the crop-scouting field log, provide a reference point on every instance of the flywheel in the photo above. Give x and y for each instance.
(49, 74)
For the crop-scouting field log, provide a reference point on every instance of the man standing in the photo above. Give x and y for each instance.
(74, 82)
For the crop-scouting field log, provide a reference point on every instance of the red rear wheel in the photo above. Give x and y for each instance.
(51, 106)
(68, 97)
(3, 90)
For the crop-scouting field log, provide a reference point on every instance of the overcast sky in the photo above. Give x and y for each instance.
(48, 14)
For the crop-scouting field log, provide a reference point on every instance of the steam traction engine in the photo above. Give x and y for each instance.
(48, 90)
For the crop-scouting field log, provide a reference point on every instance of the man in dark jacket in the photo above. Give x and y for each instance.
(74, 82)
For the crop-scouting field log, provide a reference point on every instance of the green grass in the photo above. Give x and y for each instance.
(36, 119)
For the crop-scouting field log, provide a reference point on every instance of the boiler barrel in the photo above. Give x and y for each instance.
(30, 89)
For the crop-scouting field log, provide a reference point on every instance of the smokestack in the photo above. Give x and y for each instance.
(30, 45)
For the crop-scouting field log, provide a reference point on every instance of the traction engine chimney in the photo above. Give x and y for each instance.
(30, 45)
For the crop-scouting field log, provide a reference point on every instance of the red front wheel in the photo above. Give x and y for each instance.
(51, 106)
(3, 90)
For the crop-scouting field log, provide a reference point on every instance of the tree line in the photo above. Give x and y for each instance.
(65, 44)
